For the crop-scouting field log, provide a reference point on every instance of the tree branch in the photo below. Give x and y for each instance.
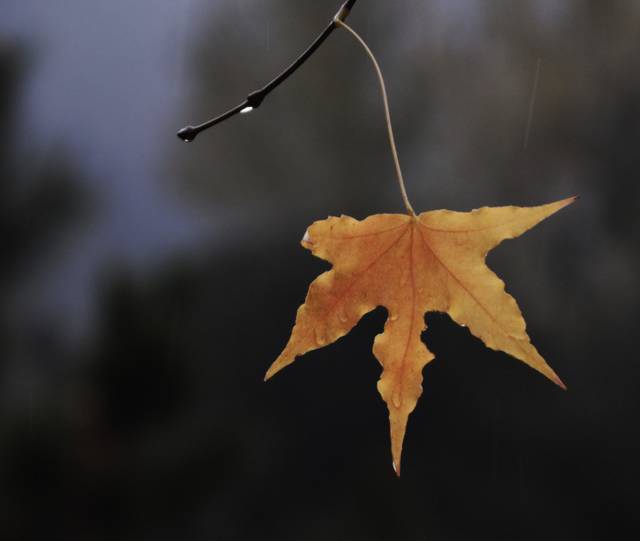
(254, 99)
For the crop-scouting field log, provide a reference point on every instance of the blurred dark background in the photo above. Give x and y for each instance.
(147, 284)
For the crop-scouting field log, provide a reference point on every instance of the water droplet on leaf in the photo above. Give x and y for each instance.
(320, 338)
(396, 399)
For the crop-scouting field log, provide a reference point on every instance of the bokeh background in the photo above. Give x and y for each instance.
(146, 284)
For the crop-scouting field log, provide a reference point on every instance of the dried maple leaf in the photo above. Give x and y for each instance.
(412, 265)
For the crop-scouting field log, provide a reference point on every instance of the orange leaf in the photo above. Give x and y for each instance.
(412, 265)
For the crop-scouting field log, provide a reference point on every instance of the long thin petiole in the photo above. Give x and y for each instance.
(385, 100)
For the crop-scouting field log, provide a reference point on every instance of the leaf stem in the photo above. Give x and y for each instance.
(254, 99)
(385, 100)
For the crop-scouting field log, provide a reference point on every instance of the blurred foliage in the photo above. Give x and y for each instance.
(38, 201)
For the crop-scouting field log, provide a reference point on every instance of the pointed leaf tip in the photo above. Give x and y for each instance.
(270, 373)
(559, 383)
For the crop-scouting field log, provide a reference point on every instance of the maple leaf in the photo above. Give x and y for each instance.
(412, 265)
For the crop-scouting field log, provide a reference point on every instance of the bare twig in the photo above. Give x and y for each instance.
(254, 99)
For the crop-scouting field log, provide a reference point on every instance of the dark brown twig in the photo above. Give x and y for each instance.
(254, 99)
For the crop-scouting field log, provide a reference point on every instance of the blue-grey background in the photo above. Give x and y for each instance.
(147, 284)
